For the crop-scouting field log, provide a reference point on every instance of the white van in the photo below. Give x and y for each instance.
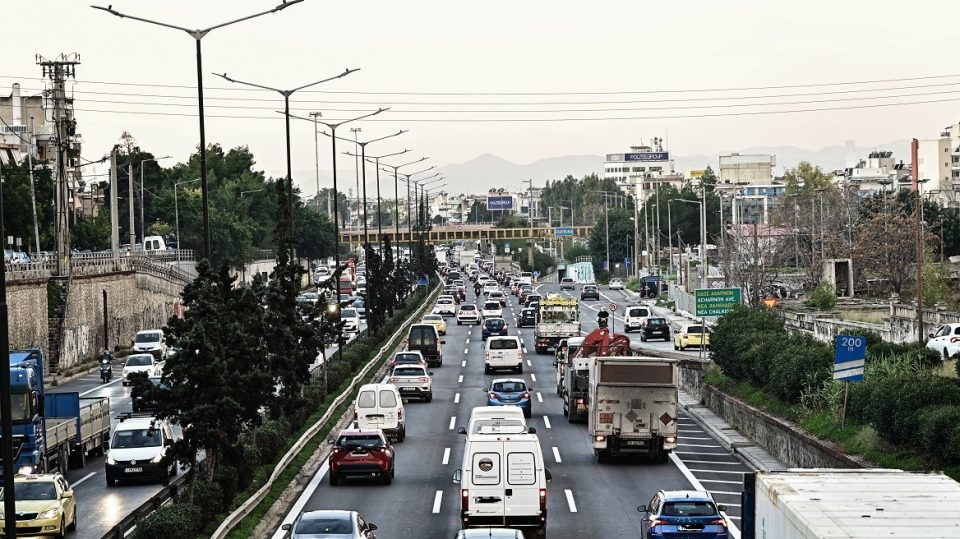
(503, 353)
(526, 277)
(503, 482)
(634, 318)
(379, 406)
(154, 245)
(496, 420)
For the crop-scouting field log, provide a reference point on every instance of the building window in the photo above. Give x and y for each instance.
(638, 169)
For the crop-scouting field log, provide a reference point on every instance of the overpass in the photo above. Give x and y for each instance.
(450, 233)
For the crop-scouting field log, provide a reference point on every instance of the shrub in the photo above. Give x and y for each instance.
(896, 401)
(270, 438)
(823, 298)
(208, 497)
(796, 364)
(938, 431)
(735, 334)
(227, 476)
(178, 520)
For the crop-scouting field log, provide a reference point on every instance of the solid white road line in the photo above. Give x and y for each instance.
(453, 421)
(546, 422)
(539, 397)
(688, 461)
(460, 379)
(84, 478)
(302, 500)
(464, 364)
(87, 392)
(446, 456)
(728, 493)
(715, 471)
(533, 377)
(688, 473)
(456, 399)
(556, 455)
(572, 504)
(436, 502)
(695, 438)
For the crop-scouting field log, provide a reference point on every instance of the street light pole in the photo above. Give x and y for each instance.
(376, 160)
(396, 194)
(197, 35)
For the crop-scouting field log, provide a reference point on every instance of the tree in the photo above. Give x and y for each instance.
(621, 227)
(18, 204)
(886, 248)
(314, 233)
(389, 293)
(752, 255)
(479, 213)
(375, 304)
(709, 179)
(584, 197)
(805, 178)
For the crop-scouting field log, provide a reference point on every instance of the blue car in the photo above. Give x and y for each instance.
(510, 392)
(494, 326)
(683, 513)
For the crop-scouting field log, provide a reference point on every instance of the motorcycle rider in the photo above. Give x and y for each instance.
(106, 366)
(476, 289)
(602, 318)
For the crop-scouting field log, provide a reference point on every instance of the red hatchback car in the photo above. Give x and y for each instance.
(361, 453)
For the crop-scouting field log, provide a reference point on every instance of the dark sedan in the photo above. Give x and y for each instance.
(527, 319)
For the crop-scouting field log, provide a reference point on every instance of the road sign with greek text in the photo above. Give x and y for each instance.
(716, 301)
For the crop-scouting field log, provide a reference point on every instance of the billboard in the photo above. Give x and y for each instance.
(647, 156)
(500, 202)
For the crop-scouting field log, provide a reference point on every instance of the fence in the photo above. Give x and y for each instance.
(99, 263)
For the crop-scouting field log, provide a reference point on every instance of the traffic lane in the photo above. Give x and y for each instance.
(406, 506)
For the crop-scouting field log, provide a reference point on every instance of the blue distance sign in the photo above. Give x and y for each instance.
(563, 231)
(647, 156)
(849, 358)
(502, 203)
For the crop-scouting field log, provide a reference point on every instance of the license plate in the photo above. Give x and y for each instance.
(636, 442)
(409, 389)
(138, 469)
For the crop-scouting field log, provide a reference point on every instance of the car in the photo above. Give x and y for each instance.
(308, 298)
(510, 392)
(45, 503)
(589, 291)
(525, 290)
(491, 309)
(489, 533)
(531, 298)
(655, 327)
(692, 335)
(330, 523)
(946, 340)
(151, 341)
(615, 284)
(362, 290)
(380, 406)
(413, 381)
(493, 326)
(145, 363)
(446, 306)
(503, 352)
(527, 318)
(143, 397)
(425, 339)
(490, 286)
(567, 283)
(453, 292)
(676, 513)
(634, 317)
(468, 314)
(361, 453)
(351, 320)
(361, 308)
(407, 358)
(138, 450)
(495, 420)
(497, 295)
(436, 320)
(533, 305)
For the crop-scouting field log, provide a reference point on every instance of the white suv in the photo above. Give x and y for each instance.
(413, 381)
(446, 306)
(468, 314)
(492, 309)
(635, 317)
(503, 353)
(151, 341)
(351, 320)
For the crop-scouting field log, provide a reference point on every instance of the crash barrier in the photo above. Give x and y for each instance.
(166, 496)
(251, 503)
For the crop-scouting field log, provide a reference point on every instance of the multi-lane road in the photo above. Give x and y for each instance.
(585, 499)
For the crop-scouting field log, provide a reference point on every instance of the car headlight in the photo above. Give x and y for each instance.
(157, 459)
(50, 513)
(111, 461)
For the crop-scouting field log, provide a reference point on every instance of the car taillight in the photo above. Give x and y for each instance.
(400, 414)
(719, 522)
(657, 522)
(579, 401)
(493, 395)
(424, 379)
(670, 439)
(525, 396)
(954, 340)
(486, 355)
(464, 500)
(394, 379)
(543, 499)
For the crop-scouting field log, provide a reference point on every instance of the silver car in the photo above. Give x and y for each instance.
(329, 524)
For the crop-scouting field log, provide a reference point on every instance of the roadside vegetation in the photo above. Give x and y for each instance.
(905, 414)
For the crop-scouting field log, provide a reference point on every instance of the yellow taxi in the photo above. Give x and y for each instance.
(438, 321)
(45, 505)
(692, 335)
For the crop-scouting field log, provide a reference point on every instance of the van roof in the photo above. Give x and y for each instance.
(496, 412)
(375, 387)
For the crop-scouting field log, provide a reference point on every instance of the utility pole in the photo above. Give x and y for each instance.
(356, 166)
(530, 214)
(57, 71)
(33, 189)
(920, 261)
(130, 208)
(114, 208)
(316, 150)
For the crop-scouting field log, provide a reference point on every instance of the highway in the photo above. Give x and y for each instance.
(585, 499)
(103, 507)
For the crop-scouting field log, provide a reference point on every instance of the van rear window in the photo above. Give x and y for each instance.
(388, 399)
(521, 469)
(423, 336)
(366, 400)
(504, 344)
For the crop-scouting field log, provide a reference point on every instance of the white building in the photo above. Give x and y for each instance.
(748, 169)
(879, 173)
(938, 160)
(639, 171)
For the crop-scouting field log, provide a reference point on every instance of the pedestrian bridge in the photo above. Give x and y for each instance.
(450, 233)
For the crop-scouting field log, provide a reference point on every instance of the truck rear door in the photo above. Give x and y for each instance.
(486, 490)
(522, 493)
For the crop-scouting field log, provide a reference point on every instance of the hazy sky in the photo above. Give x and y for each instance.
(450, 47)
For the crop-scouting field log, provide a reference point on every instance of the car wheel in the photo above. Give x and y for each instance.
(73, 525)
(520, 369)
(428, 398)
(486, 369)
(643, 338)
(386, 478)
(566, 413)
(458, 322)
(63, 530)
(334, 478)
(603, 456)
(946, 354)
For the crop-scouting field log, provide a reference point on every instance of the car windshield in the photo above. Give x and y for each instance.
(33, 490)
(325, 526)
(408, 357)
(491, 306)
(348, 313)
(504, 344)
(494, 323)
(423, 336)
(527, 313)
(409, 371)
(362, 440)
(147, 337)
(139, 361)
(508, 387)
(688, 508)
(125, 439)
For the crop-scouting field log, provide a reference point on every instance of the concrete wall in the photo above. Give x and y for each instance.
(27, 313)
(900, 326)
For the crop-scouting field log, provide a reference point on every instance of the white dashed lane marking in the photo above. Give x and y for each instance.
(456, 399)
(436, 501)
(453, 421)
(546, 422)
(569, 494)
(446, 456)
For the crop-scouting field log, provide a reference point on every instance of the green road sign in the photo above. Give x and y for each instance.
(716, 301)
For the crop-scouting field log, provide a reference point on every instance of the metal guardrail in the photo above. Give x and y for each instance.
(166, 496)
(251, 503)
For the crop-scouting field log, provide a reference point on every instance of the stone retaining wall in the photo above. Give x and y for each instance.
(27, 313)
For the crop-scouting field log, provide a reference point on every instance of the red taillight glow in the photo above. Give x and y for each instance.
(493, 395)
(464, 500)
(719, 522)
(424, 379)
(526, 396)
(400, 414)
(543, 499)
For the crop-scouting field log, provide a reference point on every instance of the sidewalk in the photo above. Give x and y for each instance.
(728, 437)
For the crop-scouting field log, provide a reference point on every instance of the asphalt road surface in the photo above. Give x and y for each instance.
(585, 499)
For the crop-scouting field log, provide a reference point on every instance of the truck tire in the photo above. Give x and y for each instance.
(603, 456)
(566, 413)
(662, 457)
(79, 457)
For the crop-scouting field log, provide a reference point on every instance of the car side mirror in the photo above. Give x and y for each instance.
(642, 508)
(461, 430)
(286, 527)
(547, 475)
(430, 373)
(457, 476)
(167, 442)
(721, 507)
(372, 527)
(532, 430)
(443, 341)
(68, 494)
(930, 336)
